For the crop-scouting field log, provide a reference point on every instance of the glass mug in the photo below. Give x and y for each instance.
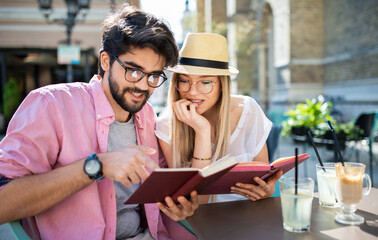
(326, 176)
(349, 190)
(296, 208)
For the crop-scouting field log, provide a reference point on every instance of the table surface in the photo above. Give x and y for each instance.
(263, 220)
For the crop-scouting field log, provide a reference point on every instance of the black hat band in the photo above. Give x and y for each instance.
(203, 63)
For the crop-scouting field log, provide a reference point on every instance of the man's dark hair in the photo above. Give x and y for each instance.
(129, 27)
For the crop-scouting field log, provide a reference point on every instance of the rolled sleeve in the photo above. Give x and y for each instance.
(27, 149)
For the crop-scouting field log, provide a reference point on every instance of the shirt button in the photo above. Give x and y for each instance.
(99, 116)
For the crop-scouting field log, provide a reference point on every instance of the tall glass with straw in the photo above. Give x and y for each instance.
(326, 176)
(349, 187)
(296, 201)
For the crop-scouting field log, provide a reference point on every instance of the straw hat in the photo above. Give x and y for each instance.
(204, 54)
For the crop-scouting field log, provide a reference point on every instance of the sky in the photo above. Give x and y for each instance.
(170, 10)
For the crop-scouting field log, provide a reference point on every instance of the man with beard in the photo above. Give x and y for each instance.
(75, 152)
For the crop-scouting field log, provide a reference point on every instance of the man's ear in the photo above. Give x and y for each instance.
(105, 61)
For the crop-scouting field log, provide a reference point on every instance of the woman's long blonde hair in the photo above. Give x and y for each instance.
(182, 136)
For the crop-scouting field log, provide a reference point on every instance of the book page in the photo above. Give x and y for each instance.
(284, 160)
(218, 165)
(176, 169)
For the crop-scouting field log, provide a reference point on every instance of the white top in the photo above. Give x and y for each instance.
(246, 141)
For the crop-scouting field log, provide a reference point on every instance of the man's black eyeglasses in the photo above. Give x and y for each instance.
(134, 75)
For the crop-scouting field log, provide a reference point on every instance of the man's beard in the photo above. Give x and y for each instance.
(121, 100)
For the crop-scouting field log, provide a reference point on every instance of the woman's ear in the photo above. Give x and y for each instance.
(105, 61)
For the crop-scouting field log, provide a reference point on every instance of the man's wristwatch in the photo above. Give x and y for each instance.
(93, 167)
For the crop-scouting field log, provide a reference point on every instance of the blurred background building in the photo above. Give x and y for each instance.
(29, 45)
(286, 50)
(291, 50)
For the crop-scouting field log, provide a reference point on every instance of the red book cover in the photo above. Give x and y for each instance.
(160, 184)
(217, 178)
(198, 182)
(246, 172)
(177, 182)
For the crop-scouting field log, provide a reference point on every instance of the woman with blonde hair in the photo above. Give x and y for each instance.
(204, 122)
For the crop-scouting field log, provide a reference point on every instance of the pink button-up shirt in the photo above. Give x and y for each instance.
(60, 124)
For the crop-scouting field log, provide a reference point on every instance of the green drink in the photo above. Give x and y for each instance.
(296, 208)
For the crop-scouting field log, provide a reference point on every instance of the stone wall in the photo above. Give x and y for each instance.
(351, 40)
(306, 29)
(306, 41)
(327, 47)
(307, 74)
(218, 12)
(351, 55)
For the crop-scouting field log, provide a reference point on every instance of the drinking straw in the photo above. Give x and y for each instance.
(336, 142)
(296, 171)
(316, 150)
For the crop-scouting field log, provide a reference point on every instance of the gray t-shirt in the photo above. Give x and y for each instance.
(128, 218)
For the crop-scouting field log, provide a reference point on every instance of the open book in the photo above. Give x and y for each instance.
(217, 178)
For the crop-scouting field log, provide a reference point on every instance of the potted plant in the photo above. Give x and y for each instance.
(344, 132)
(12, 100)
(311, 115)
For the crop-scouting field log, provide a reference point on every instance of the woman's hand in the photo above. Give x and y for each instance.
(260, 191)
(186, 112)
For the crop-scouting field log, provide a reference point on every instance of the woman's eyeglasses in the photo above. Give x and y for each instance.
(134, 75)
(202, 86)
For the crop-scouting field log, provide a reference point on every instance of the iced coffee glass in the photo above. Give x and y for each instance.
(326, 176)
(349, 190)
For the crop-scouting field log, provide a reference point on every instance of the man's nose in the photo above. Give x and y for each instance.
(142, 84)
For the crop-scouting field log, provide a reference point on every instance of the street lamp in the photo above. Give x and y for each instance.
(75, 8)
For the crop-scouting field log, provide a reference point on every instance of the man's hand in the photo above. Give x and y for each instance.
(181, 211)
(127, 164)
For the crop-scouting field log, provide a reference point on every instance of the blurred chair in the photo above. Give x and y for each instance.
(273, 141)
(277, 116)
(366, 123)
(186, 225)
(272, 144)
(18, 231)
(277, 190)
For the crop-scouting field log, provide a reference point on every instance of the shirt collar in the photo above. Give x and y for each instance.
(138, 120)
(102, 106)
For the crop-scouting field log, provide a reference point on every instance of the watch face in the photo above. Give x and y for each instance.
(92, 167)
